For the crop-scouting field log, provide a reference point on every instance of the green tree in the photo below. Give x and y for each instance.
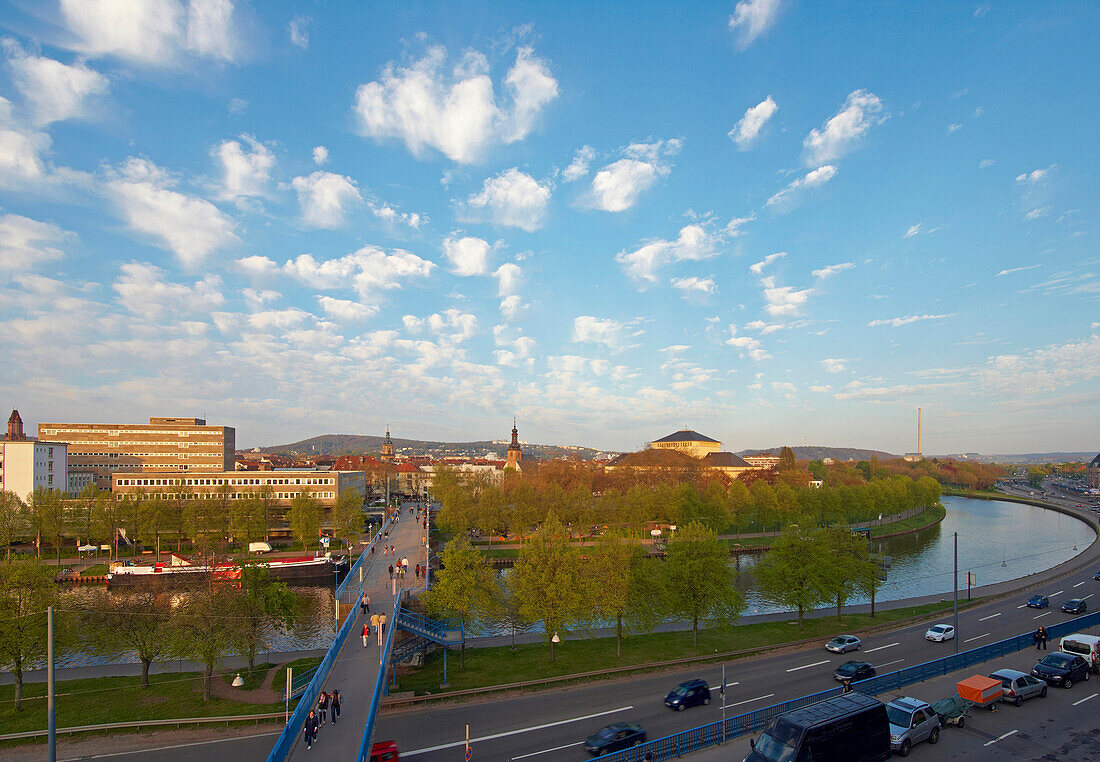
(616, 577)
(247, 523)
(153, 518)
(265, 604)
(47, 513)
(463, 588)
(547, 581)
(82, 509)
(207, 625)
(25, 592)
(106, 519)
(794, 573)
(304, 517)
(849, 565)
(205, 523)
(698, 581)
(786, 460)
(13, 520)
(266, 495)
(140, 621)
(347, 515)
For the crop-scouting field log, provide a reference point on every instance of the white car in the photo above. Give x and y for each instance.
(940, 632)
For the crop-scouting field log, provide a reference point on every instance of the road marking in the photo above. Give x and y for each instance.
(976, 637)
(176, 746)
(807, 666)
(887, 664)
(1086, 698)
(1000, 738)
(546, 751)
(1088, 596)
(989, 617)
(749, 701)
(414, 752)
(717, 687)
(1022, 607)
(1080, 583)
(1041, 615)
(879, 648)
(1054, 594)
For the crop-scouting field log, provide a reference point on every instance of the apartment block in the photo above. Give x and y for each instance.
(324, 486)
(27, 464)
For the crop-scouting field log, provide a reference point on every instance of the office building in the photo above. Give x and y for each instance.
(26, 464)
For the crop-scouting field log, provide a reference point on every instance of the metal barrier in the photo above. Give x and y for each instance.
(380, 682)
(298, 683)
(713, 733)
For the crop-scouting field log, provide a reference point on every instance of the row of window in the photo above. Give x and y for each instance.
(145, 443)
(164, 431)
(130, 454)
(232, 481)
(235, 495)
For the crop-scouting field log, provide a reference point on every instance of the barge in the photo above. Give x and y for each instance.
(179, 570)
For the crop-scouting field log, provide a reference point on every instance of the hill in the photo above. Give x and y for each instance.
(807, 452)
(335, 445)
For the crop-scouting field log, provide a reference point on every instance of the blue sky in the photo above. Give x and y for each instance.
(774, 221)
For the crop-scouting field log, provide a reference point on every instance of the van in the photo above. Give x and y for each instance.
(259, 547)
(1085, 646)
(848, 728)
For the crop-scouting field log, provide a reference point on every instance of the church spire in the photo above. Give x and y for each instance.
(15, 428)
(387, 447)
(515, 454)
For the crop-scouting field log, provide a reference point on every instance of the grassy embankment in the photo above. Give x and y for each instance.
(503, 665)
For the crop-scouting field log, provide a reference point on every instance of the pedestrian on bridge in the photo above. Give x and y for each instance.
(322, 707)
(336, 704)
(366, 634)
(381, 628)
(364, 604)
(310, 729)
(391, 571)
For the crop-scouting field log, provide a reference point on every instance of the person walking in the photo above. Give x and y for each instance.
(309, 732)
(364, 604)
(366, 634)
(405, 563)
(1043, 637)
(418, 571)
(336, 704)
(391, 571)
(322, 707)
(381, 628)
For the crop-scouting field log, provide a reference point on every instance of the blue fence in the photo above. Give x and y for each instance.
(713, 733)
(380, 683)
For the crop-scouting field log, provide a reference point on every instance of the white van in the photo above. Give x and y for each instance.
(259, 547)
(1085, 646)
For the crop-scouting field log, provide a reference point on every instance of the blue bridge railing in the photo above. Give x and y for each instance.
(445, 631)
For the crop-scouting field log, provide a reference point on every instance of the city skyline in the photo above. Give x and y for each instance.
(769, 221)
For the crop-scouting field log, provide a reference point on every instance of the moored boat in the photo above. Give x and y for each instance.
(179, 570)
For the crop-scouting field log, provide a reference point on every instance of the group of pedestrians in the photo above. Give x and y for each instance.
(327, 704)
(376, 624)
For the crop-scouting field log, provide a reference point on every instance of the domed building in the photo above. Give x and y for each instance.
(688, 442)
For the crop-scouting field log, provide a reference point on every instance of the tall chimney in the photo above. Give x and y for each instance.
(920, 451)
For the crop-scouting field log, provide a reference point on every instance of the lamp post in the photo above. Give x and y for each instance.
(955, 639)
(553, 641)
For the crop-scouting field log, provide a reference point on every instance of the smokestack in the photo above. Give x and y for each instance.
(920, 451)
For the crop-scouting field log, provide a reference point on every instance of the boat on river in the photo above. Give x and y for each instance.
(180, 570)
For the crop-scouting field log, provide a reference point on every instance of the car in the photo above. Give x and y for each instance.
(1075, 606)
(1017, 686)
(853, 671)
(1096, 576)
(843, 643)
(1079, 505)
(938, 633)
(911, 721)
(1038, 602)
(1061, 669)
(614, 737)
(689, 693)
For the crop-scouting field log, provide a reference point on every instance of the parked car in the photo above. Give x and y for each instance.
(1061, 669)
(1075, 606)
(843, 643)
(615, 737)
(911, 721)
(938, 633)
(1038, 602)
(853, 671)
(1096, 576)
(852, 726)
(1017, 686)
(690, 693)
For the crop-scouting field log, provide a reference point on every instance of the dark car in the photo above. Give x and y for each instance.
(690, 693)
(615, 737)
(1075, 606)
(1061, 669)
(853, 671)
(1096, 576)
(1038, 602)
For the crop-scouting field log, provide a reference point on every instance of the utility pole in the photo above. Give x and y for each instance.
(51, 714)
(955, 639)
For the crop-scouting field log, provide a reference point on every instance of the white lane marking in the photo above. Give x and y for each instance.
(546, 751)
(1086, 698)
(990, 616)
(1054, 594)
(879, 648)
(1085, 598)
(176, 746)
(512, 732)
(717, 687)
(1080, 583)
(1000, 738)
(807, 666)
(1041, 615)
(976, 637)
(1022, 607)
(887, 664)
(749, 701)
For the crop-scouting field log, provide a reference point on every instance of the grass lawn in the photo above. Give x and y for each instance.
(253, 679)
(932, 515)
(300, 666)
(100, 700)
(95, 570)
(501, 665)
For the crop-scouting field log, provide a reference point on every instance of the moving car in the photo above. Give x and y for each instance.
(615, 737)
(1038, 602)
(1061, 669)
(850, 727)
(1017, 686)
(843, 643)
(1075, 606)
(853, 671)
(690, 693)
(939, 633)
(1096, 576)
(911, 721)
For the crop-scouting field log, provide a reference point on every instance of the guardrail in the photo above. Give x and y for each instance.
(178, 722)
(380, 682)
(713, 733)
(299, 683)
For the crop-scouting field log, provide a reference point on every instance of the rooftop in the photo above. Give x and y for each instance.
(686, 435)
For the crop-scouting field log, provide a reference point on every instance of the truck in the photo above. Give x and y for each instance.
(848, 728)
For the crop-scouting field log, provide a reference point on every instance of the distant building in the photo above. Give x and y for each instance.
(324, 486)
(387, 448)
(515, 454)
(164, 444)
(1092, 473)
(26, 464)
(688, 442)
(762, 460)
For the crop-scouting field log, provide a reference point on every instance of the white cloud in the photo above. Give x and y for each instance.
(280, 320)
(55, 90)
(452, 325)
(951, 128)
(1045, 370)
(906, 320)
(613, 334)
(210, 29)
(511, 307)
(237, 105)
(325, 198)
(749, 346)
(1034, 177)
(344, 310)
(751, 18)
(821, 389)
(320, 155)
(245, 173)
(190, 227)
(1015, 270)
(142, 289)
(298, 28)
(456, 114)
(256, 265)
(26, 243)
(831, 270)
(783, 300)
(512, 198)
(912, 231)
(578, 168)
(616, 187)
(368, 270)
(834, 364)
(257, 298)
(982, 9)
(733, 227)
(758, 267)
(386, 212)
(695, 285)
(509, 276)
(747, 130)
(1037, 212)
(812, 179)
(861, 111)
(20, 160)
(694, 243)
(986, 163)
(468, 255)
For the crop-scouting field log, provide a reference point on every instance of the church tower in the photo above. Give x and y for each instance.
(387, 448)
(515, 455)
(15, 428)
